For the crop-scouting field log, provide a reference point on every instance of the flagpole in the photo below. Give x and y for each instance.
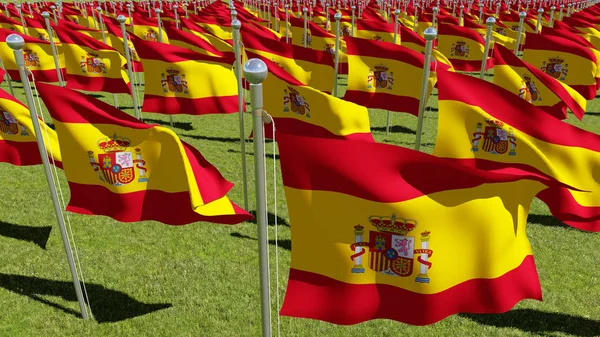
(287, 24)
(255, 71)
(551, 23)
(122, 19)
(430, 34)
(16, 43)
(488, 38)
(353, 21)
(337, 17)
(46, 17)
(160, 39)
(538, 27)
(522, 16)
(7, 79)
(305, 39)
(389, 114)
(236, 25)
(560, 13)
(101, 22)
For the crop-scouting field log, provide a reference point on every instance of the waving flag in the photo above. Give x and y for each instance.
(377, 31)
(382, 232)
(462, 46)
(131, 171)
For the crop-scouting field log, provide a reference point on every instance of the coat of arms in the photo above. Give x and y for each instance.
(346, 31)
(9, 124)
(308, 38)
(31, 58)
(298, 103)
(501, 31)
(391, 250)
(376, 37)
(151, 35)
(460, 49)
(116, 165)
(555, 68)
(496, 140)
(381, 77)
(43, 37)
(174, 82)
(330, 49)
(91, 63)
(529, 91)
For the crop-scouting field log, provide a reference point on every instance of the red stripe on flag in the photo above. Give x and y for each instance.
(22, 154)
(190, 106)
(380, 100)
(565, 208)
(104, 84)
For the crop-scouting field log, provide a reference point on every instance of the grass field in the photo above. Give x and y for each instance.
(150, 279)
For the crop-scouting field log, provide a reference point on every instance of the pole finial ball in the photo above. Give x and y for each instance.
(45, 15)
(540, 11)
(255, 71)
(157, 10)
(337, 16)
(121, 18)
(522, 14)
(490, 21)
(236, 24)
(430, 33)
(15, 41)
(397, 12)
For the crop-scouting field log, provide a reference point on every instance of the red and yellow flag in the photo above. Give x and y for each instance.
(130, 171)
(565, 60)
(18, 145)
(115, 36)
(38, 58)
(482, 124)
(374, 30)
(184, 39)
(376, 73)
(302, 110)
(91, 64)
(438, 237)
(462, 46)
(10, 24)
(535, 86)
(169, 88)
(147, 29)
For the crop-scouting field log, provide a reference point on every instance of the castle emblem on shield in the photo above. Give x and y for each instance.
(391, 250)
(381, 77)
(92, 64)
(496, 140)
(151, 35)
(10, 126)
(292, 100)
(556, 68)
(116, 165)
(460, 49)
(174, 82)
(31, 58)
(529, 90)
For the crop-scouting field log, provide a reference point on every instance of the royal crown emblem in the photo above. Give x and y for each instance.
(496, 139)
(91, 63)
(9, 124)
(31, 58)
(381, 77)
(151, 35)
(174, 82)
(391, 250)
(459, 49)
(117, 166)
(298, 104)
(556, 68)
(529, 90)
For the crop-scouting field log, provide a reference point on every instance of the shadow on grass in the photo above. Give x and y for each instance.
(214, 139)
(37, 235)
(107, 305)
(593, 113)
(285, 243)
(539, 322)
(269, 155)
(271, 219)
(395, 129)
(546, 220)
(96, 95)
(187, 126)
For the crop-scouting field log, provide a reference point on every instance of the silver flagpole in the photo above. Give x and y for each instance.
(175, 7)
(122, 19)
(46, 17)
(236, 25)
(287, 24)
(305, 36)
(353, 19)
(538, 26)
(16, 43)
(480, 13)
(522, 16)
(430, 34)
(337, 17)
(101, 21)
(551, 23)
(560, 13)
(255, 71)
(389, 114)
(130, 17)
(488, 38)
(160, 39)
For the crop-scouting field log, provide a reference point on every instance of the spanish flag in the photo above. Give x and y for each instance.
(18, 145)
(535, 86)
(168, 90)
(381, 231)
(147, 29)
(462, 46)
(91, 64)
(38, 58)
(93, 33)
(565, 60)
(302, 110)
(377, 70)
(413, 41)
(310, 67)
(374, 30)
(115, 36)
(10, 24)
(131, 171)
(36, 28)
(183, 39)
(220, 45)
(484, 125)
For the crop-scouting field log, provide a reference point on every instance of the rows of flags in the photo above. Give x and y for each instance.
(373, 225)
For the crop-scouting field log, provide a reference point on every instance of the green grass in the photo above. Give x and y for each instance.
(150, 279)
